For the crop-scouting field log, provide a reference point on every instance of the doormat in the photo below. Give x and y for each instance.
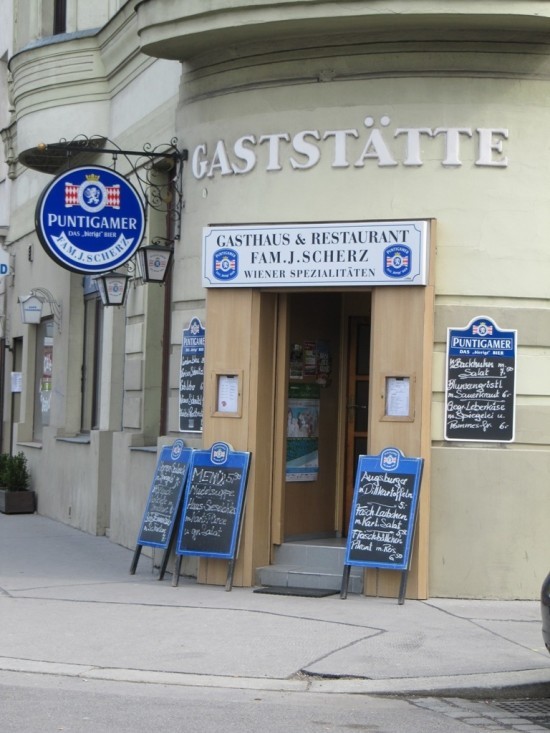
(280, 590)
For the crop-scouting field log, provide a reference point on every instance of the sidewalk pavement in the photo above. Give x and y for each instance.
(69, 606)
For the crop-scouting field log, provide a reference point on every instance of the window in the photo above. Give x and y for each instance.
(43, 377)
(91, 363)
(16, 379)
(59, 16)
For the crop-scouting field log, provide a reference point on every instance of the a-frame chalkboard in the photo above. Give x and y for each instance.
(212, 512)
(383, 514)
(164, 501)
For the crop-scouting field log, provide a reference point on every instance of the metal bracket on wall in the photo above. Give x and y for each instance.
(158, 171)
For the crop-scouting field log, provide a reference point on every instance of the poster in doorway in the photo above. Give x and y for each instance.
(297, 361)
(302, 444)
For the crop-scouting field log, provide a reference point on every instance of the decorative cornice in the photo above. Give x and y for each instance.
(176, 30)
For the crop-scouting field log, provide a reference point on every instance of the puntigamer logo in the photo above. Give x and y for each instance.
(90, 220)
(226, 264)
(397, 261)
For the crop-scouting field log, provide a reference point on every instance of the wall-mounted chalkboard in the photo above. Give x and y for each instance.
(214, 500)
(383, 512)
(164, 498)
(192, 377)
(480, 382)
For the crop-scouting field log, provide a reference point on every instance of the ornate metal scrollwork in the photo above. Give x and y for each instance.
(157, 170)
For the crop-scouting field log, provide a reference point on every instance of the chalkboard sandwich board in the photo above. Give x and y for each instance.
(213, 506)
(383, 514)
(164, 500)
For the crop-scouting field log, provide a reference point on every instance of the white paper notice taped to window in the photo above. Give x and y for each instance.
(17, 381)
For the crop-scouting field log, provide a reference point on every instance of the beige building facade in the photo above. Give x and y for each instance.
(309, 135)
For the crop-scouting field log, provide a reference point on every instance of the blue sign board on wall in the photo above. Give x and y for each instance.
(90, 219)
(480, 386)
(192, 377)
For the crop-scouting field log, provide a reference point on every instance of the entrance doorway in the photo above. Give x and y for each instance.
(251, 332)
(327, 391)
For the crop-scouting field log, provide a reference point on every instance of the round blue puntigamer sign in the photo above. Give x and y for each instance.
(90, 220)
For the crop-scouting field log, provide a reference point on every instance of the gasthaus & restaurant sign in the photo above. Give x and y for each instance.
(341, 253)
(90, 220)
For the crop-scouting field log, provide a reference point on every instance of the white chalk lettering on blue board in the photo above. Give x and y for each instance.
(480, 382)
(214, 502)
(383, 511)
(165, 495)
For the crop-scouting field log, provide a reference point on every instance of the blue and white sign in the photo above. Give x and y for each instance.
(338, 254)
(90, 220)
(383, 512)
(192, 377)
(397, 261)
(219, 453)
(212, 513)
(389, 459)
(480, 388)
(4, 263)
(226, 264)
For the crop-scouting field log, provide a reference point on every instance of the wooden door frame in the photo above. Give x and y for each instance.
(354, 303)
(351, 414)
(282, 351)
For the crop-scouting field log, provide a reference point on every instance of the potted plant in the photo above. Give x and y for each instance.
(15, 479)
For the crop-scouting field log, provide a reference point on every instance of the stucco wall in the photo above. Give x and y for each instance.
(491, 259)
(491, 209)
(489, 530)
(73, 480)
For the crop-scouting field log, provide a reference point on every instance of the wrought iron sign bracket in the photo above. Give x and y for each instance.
(158, 171)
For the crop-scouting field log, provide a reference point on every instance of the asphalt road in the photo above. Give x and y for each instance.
(36, 703)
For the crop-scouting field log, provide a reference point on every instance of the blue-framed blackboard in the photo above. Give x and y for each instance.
(165, 495)
(480, 388)
(383, 512)
(192, 377)
(214, 501)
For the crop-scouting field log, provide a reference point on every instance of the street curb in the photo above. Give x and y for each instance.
(529, 683)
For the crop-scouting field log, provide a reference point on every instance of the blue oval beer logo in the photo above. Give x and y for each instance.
(219, 453)
(389, 459)
(397, 261)
(226, 264)
(177, 449)
(90, 220)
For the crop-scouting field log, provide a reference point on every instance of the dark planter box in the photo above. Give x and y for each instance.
(17, 502)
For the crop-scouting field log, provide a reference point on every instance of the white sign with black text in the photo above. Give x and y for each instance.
(336, 254)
